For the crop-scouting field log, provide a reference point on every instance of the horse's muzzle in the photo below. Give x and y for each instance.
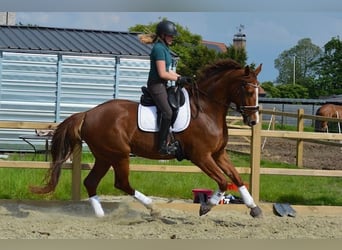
(252, 123)
(251, 119)
(250, 115)
(322, 130)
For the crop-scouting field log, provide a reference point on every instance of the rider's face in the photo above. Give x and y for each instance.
(168, 39)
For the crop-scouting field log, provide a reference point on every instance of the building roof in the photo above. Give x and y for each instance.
(218, 47)
(334, 99)
(35, 39)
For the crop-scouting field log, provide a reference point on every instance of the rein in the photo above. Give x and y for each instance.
(211, 99)
(195, 90)
(242, 108)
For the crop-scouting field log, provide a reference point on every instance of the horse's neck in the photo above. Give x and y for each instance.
(214, 98)
(219, 94)
(202, 103)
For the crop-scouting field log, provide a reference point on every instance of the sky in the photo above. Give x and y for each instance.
(270, 28)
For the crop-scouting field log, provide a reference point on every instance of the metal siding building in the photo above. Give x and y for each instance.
(47, 74)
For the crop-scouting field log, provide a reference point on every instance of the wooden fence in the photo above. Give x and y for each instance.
(255, 133)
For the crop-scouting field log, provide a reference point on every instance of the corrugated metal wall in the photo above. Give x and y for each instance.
(133, 75)
(85, 82)
(27, 93)
(49, 88)
(28, 87)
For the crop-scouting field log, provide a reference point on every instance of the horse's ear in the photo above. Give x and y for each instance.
(247, 70)
(258, 69)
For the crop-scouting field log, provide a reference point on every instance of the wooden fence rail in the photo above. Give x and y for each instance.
(255, 170)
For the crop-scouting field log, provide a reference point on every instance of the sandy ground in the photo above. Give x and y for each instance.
(127, 219)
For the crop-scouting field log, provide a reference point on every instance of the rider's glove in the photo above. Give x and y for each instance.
(183, 80)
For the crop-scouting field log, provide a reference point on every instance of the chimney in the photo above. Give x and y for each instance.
(7, 18)
(239, 40)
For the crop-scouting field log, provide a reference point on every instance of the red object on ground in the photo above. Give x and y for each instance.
(233, 187)
(207, 193)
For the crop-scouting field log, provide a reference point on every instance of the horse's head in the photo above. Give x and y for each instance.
(321, 126)
(225, 82)
(247, 102)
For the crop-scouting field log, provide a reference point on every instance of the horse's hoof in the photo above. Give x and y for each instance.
(204, 209)
(155, 212)
(256, 212)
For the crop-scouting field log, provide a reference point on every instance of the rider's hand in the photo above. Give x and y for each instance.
(183, 80)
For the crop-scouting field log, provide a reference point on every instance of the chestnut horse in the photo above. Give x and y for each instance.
(327, 110)
(111, 132)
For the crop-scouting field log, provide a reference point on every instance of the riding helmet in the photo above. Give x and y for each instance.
(167, 28)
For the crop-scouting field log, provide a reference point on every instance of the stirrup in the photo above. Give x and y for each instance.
(168, 149)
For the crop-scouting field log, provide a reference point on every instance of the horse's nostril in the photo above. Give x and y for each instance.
(252, 123)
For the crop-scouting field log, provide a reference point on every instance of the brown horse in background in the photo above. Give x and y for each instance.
(327, 110)
(111, 132)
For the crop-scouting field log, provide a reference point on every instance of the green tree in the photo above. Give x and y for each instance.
(285, 90)
(238, 55)
(188, 46)
(292, 91)
(270, 89)
(313, 87)
(297, 60)
(329, 68)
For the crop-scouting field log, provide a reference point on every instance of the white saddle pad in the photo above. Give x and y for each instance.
(147, 117)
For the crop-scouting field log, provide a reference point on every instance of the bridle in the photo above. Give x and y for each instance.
(244, 109)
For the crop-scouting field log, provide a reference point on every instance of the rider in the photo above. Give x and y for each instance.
(159, 75)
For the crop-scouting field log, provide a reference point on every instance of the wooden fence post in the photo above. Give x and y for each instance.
(255, 160)
(300, 142)
(76, 172)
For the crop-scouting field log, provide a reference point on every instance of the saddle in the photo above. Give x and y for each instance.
(175, 98)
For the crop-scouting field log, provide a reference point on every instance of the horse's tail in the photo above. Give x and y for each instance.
(64, 139)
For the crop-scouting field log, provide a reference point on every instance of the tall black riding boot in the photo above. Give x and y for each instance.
(164, 146)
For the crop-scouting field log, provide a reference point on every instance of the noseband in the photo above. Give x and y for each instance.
(244, 109)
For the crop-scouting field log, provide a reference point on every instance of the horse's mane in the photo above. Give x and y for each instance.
(217, 67)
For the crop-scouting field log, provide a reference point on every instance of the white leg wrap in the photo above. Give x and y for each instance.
(95, 203)
(246, 197)
(143, 198)
(216, 197)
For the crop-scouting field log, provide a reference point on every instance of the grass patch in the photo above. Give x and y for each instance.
(304, 190)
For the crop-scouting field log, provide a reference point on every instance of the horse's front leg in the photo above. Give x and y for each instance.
(227, 167)
(208, 166)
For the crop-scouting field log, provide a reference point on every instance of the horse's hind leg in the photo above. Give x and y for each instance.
(121, 169)
(92, 181)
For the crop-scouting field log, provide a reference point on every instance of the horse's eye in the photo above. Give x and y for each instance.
(249, 90)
